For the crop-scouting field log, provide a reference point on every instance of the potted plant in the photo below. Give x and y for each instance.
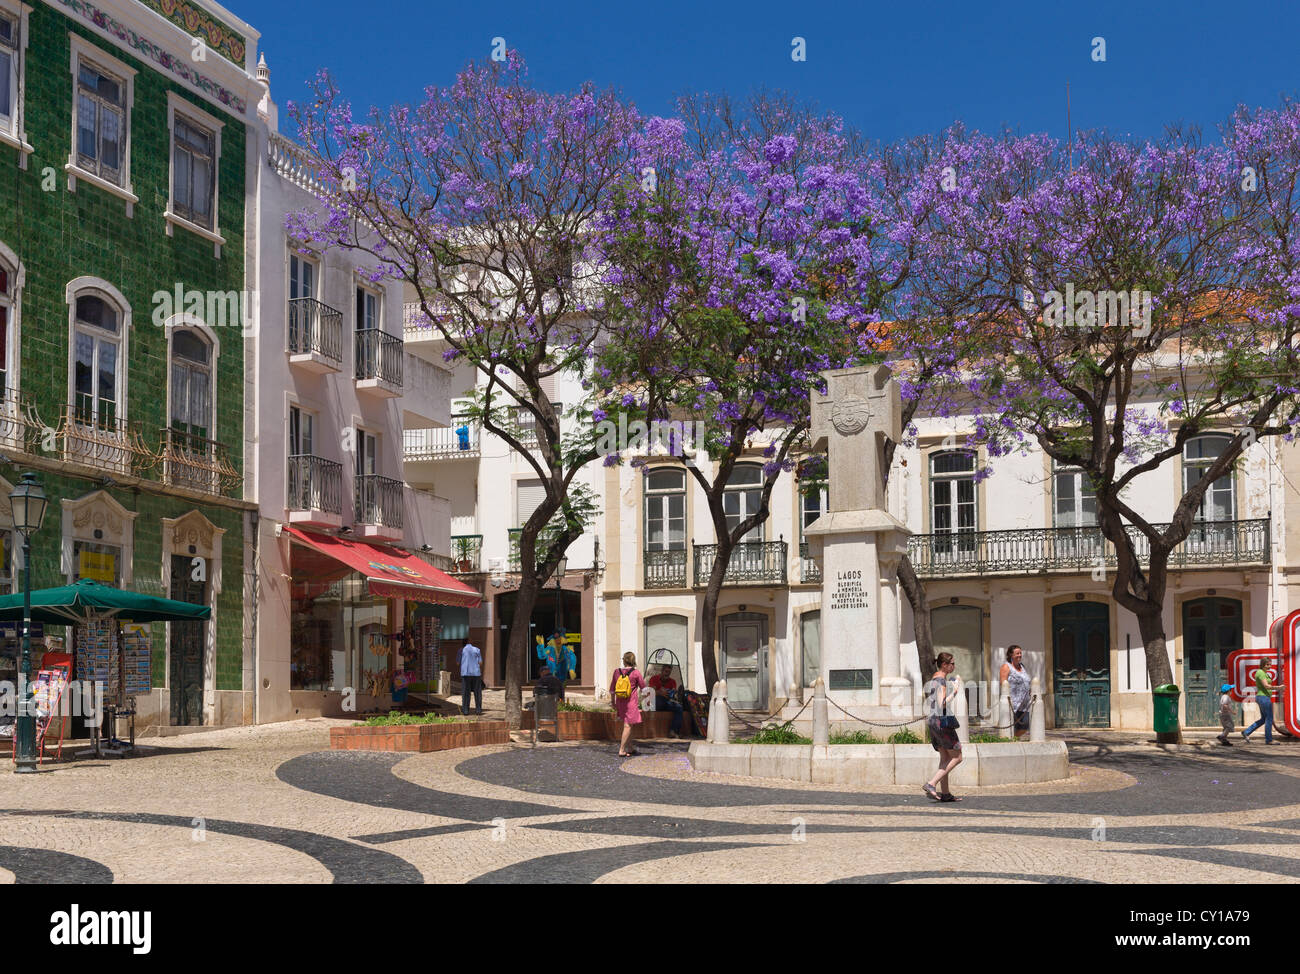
(466, 549)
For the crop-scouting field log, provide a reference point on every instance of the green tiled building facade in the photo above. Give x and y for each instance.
(130, 407)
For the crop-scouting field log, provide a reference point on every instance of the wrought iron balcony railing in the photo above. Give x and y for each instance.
(90, 433)
(380, 356)
(665, 569)
(460, 441)
(315, 327)
(315, 484)
(752, 563)
(196, 463)
(1081, 549)
(378, 500)
(810, 569)
(467, 552)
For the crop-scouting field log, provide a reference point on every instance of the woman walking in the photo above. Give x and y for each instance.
(943, 729)
(1016, 679)
(625, 689)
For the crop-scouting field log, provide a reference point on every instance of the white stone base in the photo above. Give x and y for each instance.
(867, 765)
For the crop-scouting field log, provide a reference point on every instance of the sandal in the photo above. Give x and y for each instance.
(949, 797)
(930, 792)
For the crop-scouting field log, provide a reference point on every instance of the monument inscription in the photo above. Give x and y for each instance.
(848, 592)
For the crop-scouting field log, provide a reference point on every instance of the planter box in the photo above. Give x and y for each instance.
(419, 737)
(575, 725)
(654, 723)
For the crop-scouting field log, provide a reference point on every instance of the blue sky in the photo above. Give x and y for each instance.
(893, 69)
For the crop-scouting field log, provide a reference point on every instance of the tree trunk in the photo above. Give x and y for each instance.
(518, 648)
(914, 589)
(709, 623)
(1152, 629)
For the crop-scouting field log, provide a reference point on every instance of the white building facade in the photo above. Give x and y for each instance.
(332, 388)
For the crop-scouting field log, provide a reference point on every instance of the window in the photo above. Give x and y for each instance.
(741, 498)
(10, 72)
(97, 341)
(665, 510)
(952, 501)
(302, 277)
(101, 122)
(529, 495)
(300, 432)
(367, 450)
(1076, 500)
(1199, 453)
(7, 285)
(367, 309)
(812, 505)
(194, 153)
(191, 393)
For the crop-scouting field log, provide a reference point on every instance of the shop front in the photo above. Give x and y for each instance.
(363, 622)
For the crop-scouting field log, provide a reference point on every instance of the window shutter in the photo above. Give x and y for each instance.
(548, 387)
(529, 495)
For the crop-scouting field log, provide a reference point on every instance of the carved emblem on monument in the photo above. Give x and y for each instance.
(850, 415)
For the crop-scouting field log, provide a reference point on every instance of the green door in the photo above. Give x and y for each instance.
(186, 648)
(1081, 664)
(1211, 630)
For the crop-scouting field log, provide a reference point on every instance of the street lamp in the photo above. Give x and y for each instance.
(560, 567)
(28, 503)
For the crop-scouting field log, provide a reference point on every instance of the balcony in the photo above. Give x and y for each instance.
(418, 329)
(1217, 544)
(752, 563)
(380, 363)
(314, 336)
(426, 394)
(90, 433)
(665, 569)
(378, 507)
(467, 552)
(810, 569)
(460, 442)
(196, 463)
(315, 495)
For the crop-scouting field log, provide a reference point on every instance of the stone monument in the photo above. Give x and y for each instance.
(861, 544)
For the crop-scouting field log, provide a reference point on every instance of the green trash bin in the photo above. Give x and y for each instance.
(1166, 712)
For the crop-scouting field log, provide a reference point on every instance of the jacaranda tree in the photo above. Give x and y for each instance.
(482, 200)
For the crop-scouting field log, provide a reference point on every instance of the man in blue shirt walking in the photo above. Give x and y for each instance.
(471, 677)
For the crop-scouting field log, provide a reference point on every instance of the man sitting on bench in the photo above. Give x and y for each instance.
(665, 698)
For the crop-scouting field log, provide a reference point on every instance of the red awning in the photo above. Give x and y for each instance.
(391, 572)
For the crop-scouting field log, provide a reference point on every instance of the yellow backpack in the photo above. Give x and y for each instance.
(623, 686)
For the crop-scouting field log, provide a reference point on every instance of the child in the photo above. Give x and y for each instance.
(1225, 714)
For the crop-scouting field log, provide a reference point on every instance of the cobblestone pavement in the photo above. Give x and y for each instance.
(272, 804)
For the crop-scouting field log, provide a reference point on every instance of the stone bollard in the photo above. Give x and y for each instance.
(1006, 717)
(961, 711)
(1037, 714)
(719, 719)
(444, 683)
(821, 715)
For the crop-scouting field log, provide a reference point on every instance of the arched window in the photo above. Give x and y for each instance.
(952, 500)
(191, 378)
(98, 329)
(671, 634)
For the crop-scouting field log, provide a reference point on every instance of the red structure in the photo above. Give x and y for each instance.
(1280, 661)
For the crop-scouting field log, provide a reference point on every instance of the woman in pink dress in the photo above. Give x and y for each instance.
(627, 709)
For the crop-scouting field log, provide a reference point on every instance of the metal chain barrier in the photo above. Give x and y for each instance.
(759, 726)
